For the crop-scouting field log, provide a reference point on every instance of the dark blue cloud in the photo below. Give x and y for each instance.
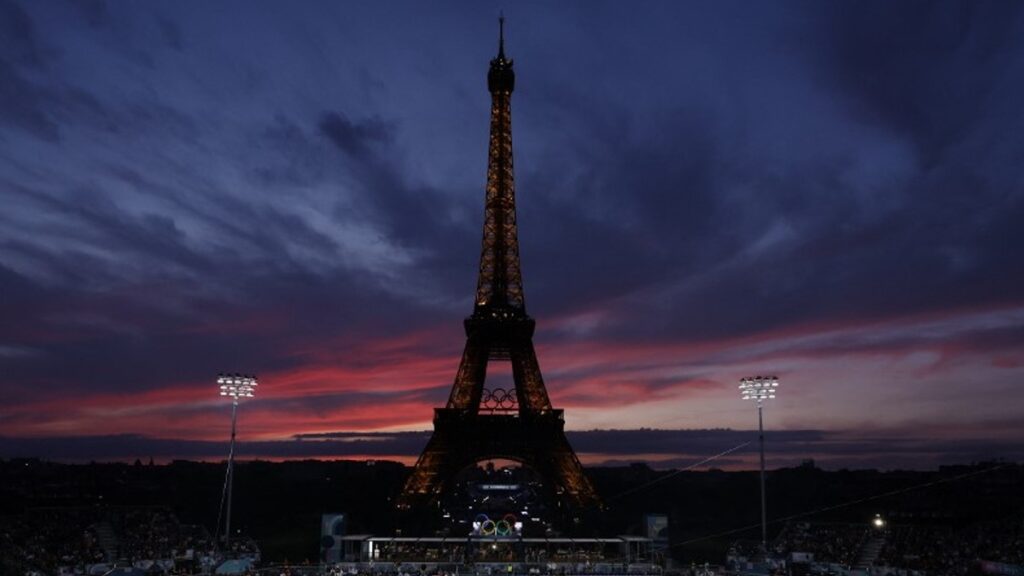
(17, 35)
(19, 100)
(171, 34)
(353, 138)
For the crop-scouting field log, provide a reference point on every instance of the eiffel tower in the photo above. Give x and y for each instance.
(479, 423)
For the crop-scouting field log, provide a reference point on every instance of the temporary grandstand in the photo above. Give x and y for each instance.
(112, 539)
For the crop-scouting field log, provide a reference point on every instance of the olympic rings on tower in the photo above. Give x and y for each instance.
(499, 399)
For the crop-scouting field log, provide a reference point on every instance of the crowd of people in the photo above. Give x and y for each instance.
(155, 533)
(827, 542)
(48, 539)
(920, 549)
(950, 550)
(78, 540)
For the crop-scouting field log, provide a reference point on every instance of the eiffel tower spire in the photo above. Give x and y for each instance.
(499, 289)
(501, 37)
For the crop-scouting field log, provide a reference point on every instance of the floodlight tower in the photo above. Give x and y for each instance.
(235, 386)
(760, 388)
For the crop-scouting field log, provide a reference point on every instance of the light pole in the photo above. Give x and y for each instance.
(235, 386)
(760, 388)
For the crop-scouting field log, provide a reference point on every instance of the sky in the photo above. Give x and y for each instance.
(829, 192)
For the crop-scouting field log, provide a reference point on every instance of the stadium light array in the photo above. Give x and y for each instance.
(759, 388)
(237, 386)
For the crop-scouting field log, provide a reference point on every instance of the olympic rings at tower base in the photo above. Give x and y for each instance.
(509, 525)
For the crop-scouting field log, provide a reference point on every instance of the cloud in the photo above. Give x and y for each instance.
(926, 69)
(18, 42)
(355, 138)
(660, 448)
(171, 33)
(19, 100)
(95, 12)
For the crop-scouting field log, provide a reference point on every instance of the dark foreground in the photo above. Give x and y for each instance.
(960, 515)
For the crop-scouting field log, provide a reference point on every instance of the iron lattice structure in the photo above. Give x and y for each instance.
(478, 423)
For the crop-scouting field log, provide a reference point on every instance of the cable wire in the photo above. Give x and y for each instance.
(680, 471)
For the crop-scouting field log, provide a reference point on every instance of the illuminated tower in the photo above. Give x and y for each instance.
(478, 422)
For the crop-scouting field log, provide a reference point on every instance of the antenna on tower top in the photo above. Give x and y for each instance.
(501, 35)
(500, 77)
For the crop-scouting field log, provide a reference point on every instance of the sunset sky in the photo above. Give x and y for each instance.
(831, 192)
